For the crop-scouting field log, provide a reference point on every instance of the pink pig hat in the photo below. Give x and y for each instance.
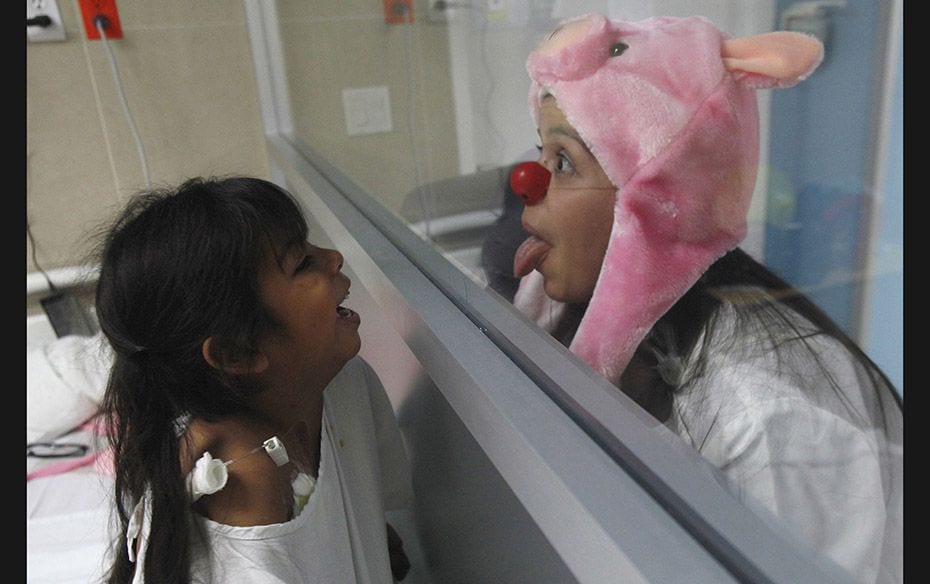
(668, 107)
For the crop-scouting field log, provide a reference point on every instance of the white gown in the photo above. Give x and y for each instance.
(824, 464)
(340, 536)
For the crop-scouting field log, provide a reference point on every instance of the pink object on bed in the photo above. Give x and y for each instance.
(101, 459)
(69, 517)
(68, 501)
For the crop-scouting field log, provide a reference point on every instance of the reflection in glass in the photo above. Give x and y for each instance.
(457, 89)
(632, 263)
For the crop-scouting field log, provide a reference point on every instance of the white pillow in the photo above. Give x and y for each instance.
(65, 381)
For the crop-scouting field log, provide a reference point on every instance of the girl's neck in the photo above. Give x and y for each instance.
(303, 444)
(296, 416)
(286, 400)
(287, 413)
(292, 404)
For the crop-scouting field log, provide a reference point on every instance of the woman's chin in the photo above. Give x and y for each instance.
(554, 289)
(560, 291)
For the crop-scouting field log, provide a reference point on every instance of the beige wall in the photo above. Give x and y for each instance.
(187, 73)
(331, 45)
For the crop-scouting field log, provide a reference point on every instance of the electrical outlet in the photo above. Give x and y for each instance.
(91, 9)
(398, 11)
(40, 34)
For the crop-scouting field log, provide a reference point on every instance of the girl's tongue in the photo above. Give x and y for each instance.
(530, 254)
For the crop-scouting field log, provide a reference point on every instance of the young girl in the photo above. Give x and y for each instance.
(649, 153)
(250, 443)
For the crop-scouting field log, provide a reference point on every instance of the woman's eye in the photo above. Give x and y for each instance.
(618, 49)
(564, 164)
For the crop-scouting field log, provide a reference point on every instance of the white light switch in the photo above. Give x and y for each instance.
(367, 110)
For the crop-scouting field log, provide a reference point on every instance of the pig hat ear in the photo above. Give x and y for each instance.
(772, 60)
(668, 106)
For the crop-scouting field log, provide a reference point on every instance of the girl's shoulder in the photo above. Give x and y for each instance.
(256, 490)
(228, 438)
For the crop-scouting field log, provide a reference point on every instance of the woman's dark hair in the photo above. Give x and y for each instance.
(176, 267)
(679, 330)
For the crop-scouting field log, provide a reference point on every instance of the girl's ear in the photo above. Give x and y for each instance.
(772, 60)
(219, 358)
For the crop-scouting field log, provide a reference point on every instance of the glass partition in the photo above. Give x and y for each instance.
(426, 109)
(418, 111)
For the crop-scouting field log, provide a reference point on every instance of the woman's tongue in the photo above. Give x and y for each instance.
(529, 255)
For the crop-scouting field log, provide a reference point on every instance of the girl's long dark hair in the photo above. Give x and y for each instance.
(178, 266)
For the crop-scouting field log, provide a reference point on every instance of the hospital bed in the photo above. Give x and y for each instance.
(67, 486)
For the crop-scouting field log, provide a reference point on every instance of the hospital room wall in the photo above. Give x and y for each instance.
(331, 46)
(187, 74)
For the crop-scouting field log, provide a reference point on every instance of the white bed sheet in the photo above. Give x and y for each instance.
(68, 523)
(67, 528)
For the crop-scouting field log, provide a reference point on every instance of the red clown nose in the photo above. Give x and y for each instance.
(529, 181)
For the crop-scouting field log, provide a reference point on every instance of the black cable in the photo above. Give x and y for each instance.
(35, 261)
(103, 20)
(42, 20)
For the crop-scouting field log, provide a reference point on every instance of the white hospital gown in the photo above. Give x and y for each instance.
(340, 536)
(792, 446)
